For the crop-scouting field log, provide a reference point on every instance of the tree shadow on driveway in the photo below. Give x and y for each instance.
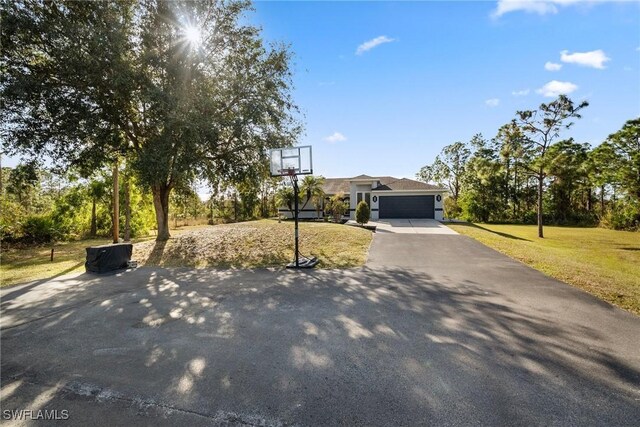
(361, 347)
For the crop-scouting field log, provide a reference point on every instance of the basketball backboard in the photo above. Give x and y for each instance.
(291, 161)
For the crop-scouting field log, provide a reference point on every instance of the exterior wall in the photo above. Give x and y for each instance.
(375, 204)
(439, 206)
(309, 211)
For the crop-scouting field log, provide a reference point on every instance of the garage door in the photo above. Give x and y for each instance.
(406, 207)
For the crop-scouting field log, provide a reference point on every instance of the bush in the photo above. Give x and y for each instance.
(362, 213)
(39, 229)
(624, 216)
(336, 207)
(451, 208)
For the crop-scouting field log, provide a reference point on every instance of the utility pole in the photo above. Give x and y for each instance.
(116, 204)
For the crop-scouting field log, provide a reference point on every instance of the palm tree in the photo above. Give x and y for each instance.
(312, 187)
(285, 197)
(97, 190)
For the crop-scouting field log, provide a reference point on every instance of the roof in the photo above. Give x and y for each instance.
(336, 185)
(360, 177)
(405, 184)
(388, 183)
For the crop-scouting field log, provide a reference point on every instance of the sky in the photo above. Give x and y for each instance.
(384, 86)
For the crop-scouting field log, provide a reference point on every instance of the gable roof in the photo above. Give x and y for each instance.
(404, 184)
(361, 177)
(388, 183)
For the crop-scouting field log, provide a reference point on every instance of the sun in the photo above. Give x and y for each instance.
(193, 35)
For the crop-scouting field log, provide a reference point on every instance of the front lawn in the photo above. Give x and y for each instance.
(605, 263)
(264, 243)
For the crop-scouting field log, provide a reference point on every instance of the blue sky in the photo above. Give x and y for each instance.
(443, 71)
(431, 73)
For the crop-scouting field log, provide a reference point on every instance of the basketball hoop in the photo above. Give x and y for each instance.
(291, 162)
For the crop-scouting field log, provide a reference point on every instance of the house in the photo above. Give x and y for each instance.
(388, 197)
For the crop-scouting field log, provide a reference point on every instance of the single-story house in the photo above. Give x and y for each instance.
(388, 198)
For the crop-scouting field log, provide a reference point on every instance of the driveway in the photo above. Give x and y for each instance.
(435, 330)
(411, 226)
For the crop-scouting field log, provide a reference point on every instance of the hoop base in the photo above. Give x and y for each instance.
(304, 262)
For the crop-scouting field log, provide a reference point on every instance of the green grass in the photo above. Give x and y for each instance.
(264, 243)
(24, 264)
(605, 263)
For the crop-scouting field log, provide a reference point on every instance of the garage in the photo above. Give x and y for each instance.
(407, 207)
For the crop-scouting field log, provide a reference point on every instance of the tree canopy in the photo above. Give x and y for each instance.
(531, 172)
(183, 89)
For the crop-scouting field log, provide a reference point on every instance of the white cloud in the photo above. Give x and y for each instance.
(595, 58)
(555, 88)
(493, 102)
(523, 92)
(541, 7)
(335, 137)
(552, 66)
(368, 45)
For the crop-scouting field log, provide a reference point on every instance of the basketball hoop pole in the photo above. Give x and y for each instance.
(294, 180)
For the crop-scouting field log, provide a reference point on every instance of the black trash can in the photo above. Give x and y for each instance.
(101, 259)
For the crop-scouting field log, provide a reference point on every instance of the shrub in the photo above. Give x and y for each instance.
(451, 208)
(623, 216)
(336, 207)
(39, 229)
(362, 213)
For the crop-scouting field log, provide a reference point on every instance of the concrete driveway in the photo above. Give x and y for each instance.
(435, 330)
(411, 226)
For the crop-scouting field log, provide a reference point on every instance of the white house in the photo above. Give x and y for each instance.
(388, 197)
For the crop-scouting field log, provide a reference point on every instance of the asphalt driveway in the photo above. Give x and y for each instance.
(436, 329)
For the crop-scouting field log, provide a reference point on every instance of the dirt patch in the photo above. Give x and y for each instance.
(257, 244)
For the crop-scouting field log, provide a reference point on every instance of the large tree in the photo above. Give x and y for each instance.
(542, 127)
(513, 153)
(625, 145)
(183, 89)
(448, 168)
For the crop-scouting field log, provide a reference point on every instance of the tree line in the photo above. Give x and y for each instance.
(38, 205)
(528, 174)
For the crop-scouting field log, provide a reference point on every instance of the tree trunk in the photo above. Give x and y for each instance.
(127, 211)
(94, 219)
(161, 205)
(116, 206)
(540, 184)
(516, 208)
(602, 200)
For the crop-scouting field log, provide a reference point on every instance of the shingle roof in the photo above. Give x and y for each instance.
(389, 183)
(336, 185)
